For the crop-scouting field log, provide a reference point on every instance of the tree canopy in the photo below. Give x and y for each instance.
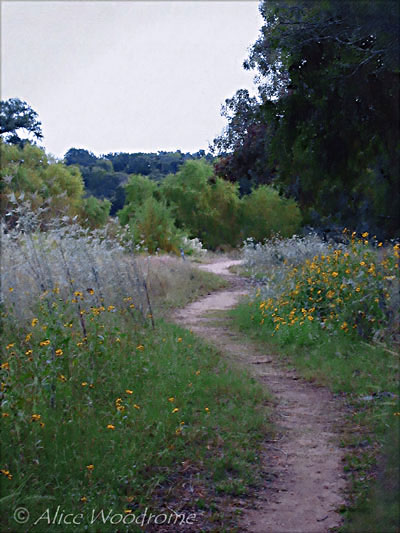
(17, 115)
(325, 123)
(105, 176)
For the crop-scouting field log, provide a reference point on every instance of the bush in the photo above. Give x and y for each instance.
(210, 209)
(353, 288)
(95, 212)
(137, 190)
(154, 227)
(31, 176)
(265, 213)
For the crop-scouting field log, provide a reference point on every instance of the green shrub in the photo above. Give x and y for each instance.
(30, 175)
(137, 190)
(354, 289)
(206, 207)
(154, 227)
(265, 213)
(95, 212)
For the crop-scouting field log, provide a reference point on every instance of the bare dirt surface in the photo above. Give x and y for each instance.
(302, 467)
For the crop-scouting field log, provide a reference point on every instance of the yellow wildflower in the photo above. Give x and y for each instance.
(128, 391)
(175, 410)
(90, 467)
(59, 352)
(6, 473)
(110, 426)
(46, 342)
(35, 417)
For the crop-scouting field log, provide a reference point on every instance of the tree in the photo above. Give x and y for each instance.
(49, 185)
(328, 81)
(204, 206)
(79, 156)
(17, 115)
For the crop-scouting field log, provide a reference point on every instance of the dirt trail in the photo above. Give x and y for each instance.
(304, 461)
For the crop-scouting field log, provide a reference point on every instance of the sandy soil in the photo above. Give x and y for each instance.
(302, 467)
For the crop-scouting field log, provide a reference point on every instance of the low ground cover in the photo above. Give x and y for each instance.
(103, 411)
(334, 315)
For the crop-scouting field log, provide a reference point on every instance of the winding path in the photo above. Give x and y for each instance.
(302, 468)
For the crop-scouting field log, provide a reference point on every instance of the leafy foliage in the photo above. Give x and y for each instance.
(203, 206)
(325, 124)
(265, 213)
(137, 190)
(95, 212)
(28, 173)
(352, 288)
(154, 228)
(17, 115)
(209, 208)
(105, 177)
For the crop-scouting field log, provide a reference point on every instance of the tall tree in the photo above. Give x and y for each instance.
(328, 82)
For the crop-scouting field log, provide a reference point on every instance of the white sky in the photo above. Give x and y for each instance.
(127, 76)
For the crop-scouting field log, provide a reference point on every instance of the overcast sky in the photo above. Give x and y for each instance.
(127, 76)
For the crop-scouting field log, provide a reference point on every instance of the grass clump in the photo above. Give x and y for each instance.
(335, 316)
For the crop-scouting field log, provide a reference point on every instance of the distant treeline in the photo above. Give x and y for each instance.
(105, 176)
